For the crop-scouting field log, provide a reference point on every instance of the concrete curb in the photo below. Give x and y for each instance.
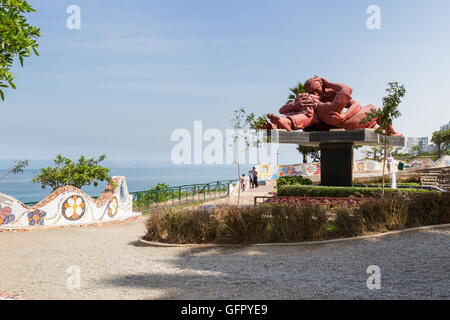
(145, 243)
(81, 225)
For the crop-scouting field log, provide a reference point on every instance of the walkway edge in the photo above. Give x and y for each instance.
(145, 243)
(75, 225)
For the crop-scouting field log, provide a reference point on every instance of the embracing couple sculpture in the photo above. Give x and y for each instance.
(322, 108)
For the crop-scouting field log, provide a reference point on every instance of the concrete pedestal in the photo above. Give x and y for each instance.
(336, 161)
(336, 148)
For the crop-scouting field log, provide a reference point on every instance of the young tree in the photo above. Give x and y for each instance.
(416, 150)
(18, 39)
(385, 116)
(446, 138)
(313, 152)
(441, 139)
(68, 173)
(246, 128)
(18, 167)
(373, 153)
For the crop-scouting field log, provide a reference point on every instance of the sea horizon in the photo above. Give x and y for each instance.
(138, 179)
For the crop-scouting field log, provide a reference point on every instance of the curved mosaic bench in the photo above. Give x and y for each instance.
(68, 206)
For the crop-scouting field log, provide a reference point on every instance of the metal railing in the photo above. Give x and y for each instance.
(180, 195)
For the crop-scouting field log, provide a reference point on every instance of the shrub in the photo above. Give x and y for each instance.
(348, 222)
(156, 229)
(245, 225)
(402, 178)
(182, 226)
(429, 209)
(293, 180)
(292, 223)
(296, 223)
(339, 192)
(383, 214)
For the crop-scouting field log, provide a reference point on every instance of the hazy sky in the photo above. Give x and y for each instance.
(137, 70)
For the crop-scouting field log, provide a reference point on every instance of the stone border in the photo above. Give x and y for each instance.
(92, 224)
(145, 243)
(360, 136)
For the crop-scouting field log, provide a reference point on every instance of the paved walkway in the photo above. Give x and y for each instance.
(247, 197)
(39, 265)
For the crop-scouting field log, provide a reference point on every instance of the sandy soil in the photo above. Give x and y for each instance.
(36, 264)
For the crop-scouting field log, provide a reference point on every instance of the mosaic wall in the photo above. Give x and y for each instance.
(66, 206)
(366, 166)
(425, 163)
(268, 172)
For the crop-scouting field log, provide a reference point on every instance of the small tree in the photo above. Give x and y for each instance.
(441, 139)
(246, 127)
(160, 192)
(67, 173)
(18, 38)
(385, 116)
(18, 167)
(373, 153)
(416, 150)
(313, 152)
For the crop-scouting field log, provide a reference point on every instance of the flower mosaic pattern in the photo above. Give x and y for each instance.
(313, 169)
(74, 208)
(5, 215)
(361, 166)
(36, 217)
(371, 166)
(113, 207)
(264, 172)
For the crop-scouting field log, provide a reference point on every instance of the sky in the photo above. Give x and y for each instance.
(138, 70)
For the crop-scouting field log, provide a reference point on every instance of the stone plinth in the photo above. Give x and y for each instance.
(336, 164)
(359, 137)
(336, 149)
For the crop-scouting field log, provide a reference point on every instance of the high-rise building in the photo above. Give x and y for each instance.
(446, 126)
(421, 142)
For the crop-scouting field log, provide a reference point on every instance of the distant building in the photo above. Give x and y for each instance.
(421, 142)
(446, 126)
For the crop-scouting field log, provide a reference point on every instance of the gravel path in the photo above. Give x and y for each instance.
(34, 264)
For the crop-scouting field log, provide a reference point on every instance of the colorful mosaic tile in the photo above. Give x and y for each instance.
(8, 296)
(6, 216)
(74, 208)
(123, 198)
(36, 217)
(113, 207)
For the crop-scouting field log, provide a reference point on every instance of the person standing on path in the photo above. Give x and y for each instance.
(252, 182)
(243, 183)
(255, 177)
(389, 161)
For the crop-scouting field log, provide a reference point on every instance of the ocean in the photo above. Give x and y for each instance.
(138, 179)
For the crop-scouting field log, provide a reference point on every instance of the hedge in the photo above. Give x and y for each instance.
(293, 181)
(339, 192)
